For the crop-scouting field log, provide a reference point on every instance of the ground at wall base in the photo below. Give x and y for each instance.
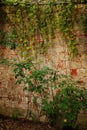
(8, 123)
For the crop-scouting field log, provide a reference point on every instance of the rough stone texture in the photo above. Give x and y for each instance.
(13, 100)
(12, 96)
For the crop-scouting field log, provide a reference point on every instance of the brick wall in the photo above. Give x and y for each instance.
(13, 100)
(12, 96)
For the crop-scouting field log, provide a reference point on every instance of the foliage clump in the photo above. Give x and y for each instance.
(36, 24)
(57, 96)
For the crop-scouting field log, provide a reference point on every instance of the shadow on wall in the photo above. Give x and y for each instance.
(84, 28)
(2, 16)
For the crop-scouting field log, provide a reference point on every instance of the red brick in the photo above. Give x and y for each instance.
(74, 72)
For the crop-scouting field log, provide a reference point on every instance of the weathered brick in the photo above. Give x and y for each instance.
(57, 57)
(74, 72)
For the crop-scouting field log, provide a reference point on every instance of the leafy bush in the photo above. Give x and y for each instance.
(61, 99)
(66, 105)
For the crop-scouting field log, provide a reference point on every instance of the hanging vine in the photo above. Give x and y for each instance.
(34, 25)
(66, 24)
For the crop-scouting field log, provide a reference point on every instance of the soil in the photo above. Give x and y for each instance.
(7, 123)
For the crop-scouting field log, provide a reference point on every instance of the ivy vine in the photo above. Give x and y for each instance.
(66, 24)
(35, 24)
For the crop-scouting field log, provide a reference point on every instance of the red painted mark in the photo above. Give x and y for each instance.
(80, 82)
(57, 91)
(60, 65)
(54, 37)
(74, 72)
(11, 78)
(3, 48)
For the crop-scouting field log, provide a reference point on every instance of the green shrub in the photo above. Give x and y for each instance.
(61, 99)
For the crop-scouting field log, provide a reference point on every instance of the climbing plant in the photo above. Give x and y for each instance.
(66, 24)
(35, 24)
